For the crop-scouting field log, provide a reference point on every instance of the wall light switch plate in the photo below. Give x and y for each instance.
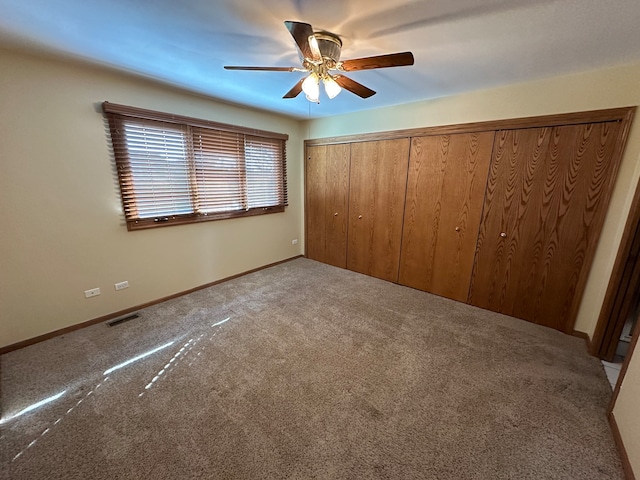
(121, 285)
(294, 241)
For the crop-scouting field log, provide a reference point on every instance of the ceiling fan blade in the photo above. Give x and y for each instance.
(380, 61)
(353, 86)
(295, 91)
(265, 69)
(301, 33)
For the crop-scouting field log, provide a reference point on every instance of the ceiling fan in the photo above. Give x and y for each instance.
(320, 56)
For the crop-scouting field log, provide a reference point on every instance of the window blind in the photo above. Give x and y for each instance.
(175, 169)
(265, 179)
(219, 169)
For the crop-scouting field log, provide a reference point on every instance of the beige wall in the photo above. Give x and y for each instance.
(616, 87)
(62, 229)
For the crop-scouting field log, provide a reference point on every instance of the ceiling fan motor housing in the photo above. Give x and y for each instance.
(329, 44)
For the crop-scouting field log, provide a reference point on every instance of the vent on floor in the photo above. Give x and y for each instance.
(118, 321)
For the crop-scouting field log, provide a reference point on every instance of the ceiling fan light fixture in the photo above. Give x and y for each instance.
(311, 88)
(331, 87)
(319, 53)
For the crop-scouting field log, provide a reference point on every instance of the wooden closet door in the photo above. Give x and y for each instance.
(315, 202)
(543, 211)
(376, 204)
(337, 207)
(445, 191)
(327, 193)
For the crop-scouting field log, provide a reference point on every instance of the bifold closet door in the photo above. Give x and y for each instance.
(445, 192)
(315, 177)
(543, 211)
(327, 194)
(376, 204)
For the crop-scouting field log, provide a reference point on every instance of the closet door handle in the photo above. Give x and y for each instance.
(359, 216)
(457, 229)
(503, 235)
(335, 214)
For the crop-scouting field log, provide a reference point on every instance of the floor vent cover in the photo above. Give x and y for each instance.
(118, 321)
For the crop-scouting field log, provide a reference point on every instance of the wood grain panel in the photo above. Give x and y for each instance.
(336, 210)
(376, 206)
(315, 204)
(445, 191)
(545, 188)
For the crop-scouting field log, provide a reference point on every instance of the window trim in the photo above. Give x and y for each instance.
(115, 114)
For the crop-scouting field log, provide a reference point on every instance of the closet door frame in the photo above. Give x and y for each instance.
(623, 114)
(622, 287)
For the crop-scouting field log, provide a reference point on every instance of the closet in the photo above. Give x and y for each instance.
(502, 215)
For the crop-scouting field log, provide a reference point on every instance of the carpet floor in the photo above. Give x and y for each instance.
(306, 371)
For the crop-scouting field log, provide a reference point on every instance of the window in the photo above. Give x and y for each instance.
(174, 170)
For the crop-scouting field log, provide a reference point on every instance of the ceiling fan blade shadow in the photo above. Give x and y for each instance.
(353, 86)
(414, 15)
(379, 61)
(295, 91)
(263, 69)
(301, 33)
(245, 43)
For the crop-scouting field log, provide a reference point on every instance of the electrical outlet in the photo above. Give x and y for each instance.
(121, 285)
(294, 241)
(94, 292)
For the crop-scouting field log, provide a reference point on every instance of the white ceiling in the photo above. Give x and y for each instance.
(459, 45)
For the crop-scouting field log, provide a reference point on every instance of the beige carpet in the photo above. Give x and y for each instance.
(314, 372)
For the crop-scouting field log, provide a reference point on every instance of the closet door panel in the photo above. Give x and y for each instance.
(445, 191)
(337, 208)
(376, 205)
(516, 161)
(315, 198)
(546, 186)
